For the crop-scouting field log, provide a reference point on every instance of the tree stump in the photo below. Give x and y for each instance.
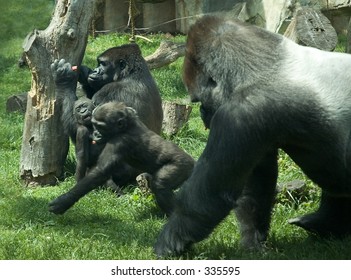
(17, 103)
(44, 144)
(311, 28)
(175, 115)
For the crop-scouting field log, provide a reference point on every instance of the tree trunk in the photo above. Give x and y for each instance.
(44, 145)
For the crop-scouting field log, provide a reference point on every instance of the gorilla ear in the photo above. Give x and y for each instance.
(130, 111)
(119, 66)
(122, 64)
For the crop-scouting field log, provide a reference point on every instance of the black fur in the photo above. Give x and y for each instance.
(129, 140)
(86, 150)
(260, 92)
(121, 75)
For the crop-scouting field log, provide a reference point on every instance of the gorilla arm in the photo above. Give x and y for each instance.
(108, 159)
(65, 80)
(83, 143)
(84, 73)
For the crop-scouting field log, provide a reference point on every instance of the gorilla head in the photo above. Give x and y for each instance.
(112, 119)
(114, 64)
(83, 110)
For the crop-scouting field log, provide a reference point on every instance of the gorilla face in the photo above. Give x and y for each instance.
(204, 89)
(201, 85)
(83, 109)
(111, 119)
(106, 72)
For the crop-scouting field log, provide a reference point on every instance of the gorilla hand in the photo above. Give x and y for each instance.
(63, 73)
(62, 203)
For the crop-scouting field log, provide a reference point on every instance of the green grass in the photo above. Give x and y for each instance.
(102, 225)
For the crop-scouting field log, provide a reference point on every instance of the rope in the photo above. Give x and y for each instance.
(131, 12)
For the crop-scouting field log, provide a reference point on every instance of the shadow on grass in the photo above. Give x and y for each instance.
(82, 221)
(142, 227)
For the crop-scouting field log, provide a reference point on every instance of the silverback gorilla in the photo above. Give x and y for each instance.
(259, 92)
(129, 140)
(121, 75)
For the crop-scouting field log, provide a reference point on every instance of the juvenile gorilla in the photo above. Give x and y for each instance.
(121, 75)
(129, 140)
(259, 92)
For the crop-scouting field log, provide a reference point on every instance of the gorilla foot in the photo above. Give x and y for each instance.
(61, 204)
(253, 240)
(322, 225)
(169, 244)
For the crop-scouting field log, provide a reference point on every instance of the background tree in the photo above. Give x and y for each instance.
(44, 145)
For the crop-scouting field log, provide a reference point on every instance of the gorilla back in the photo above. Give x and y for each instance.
(259, 92)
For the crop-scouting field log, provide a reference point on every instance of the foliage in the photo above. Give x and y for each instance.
(102, 225)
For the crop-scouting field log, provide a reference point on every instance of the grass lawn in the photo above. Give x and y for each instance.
(101, 225)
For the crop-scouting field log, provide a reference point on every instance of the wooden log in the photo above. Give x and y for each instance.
(311, 28)
(165, 54)
(17, 103)
(44, 144)
(175, 115)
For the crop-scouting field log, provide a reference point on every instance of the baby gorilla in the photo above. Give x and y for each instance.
(127, 139)
(86, 152)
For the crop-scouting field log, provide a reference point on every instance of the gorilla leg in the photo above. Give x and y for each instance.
(168, 178)
(124, 175)
(218, 180)
(198, 210)
(254, 206)
(333, 218)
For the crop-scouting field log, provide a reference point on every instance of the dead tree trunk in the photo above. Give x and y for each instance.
(165, 54)
(44, 145)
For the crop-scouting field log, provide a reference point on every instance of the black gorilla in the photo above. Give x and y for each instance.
(121, 75)
(87, 151)
(128, 140)
(259, 92)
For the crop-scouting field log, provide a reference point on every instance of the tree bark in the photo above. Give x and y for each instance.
(175, 115)
(311, 28)
(44, 144)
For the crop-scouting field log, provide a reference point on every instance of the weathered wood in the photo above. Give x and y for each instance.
(165, 54)
(17, 103)
(44, 145)
(291, 186)
(311, 28)
(175, 115)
